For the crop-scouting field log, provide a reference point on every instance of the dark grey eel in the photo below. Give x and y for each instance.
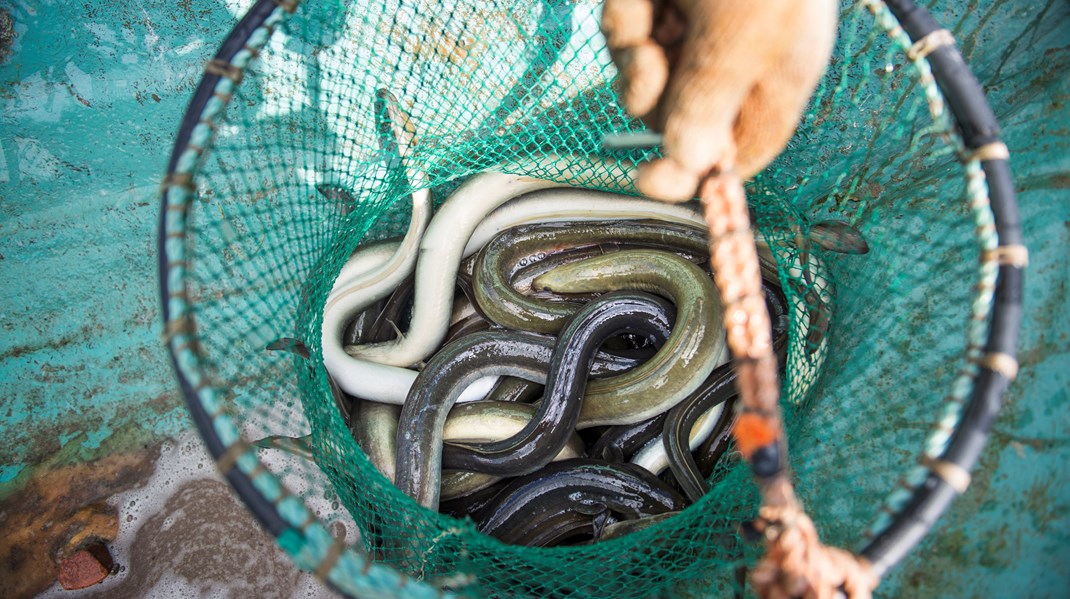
(544, 436)
(719, 388)
(574, 498)
(451, 370)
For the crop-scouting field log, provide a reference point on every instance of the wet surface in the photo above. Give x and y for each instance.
(77, 234)
(182, 533)
(58, 511)
(193, 544)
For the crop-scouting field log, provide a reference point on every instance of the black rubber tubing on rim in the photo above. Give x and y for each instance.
(978, 127)
(235, 41)
(262, 509)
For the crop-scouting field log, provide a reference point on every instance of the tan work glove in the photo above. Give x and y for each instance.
(726, 81)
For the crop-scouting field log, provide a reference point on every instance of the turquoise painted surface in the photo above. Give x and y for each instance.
(1009, 536)
(92, 94)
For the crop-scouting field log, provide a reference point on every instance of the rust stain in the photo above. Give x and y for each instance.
(76, 96)
(1044, 181)
(60, 510)
(7, 34)
(82, 334)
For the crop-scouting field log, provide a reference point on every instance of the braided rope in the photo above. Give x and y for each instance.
(795, 562)
(794, 555)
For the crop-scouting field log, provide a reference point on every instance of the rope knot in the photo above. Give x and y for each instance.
(796, 564)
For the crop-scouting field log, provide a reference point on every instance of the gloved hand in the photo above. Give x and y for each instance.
(726, 81)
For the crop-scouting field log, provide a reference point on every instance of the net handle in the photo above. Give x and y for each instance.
(795, 561)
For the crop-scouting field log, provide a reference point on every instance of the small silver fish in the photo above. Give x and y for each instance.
(838, 236)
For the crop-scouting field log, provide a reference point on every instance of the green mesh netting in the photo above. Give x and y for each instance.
(296, 178)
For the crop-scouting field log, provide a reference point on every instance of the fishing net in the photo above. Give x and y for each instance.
(280, 172)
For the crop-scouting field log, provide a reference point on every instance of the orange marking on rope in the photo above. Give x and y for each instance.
(753, 432)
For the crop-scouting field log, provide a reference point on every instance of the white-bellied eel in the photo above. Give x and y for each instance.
(365, 259)
(518, 247)
(450, 238)
(490, 421)
(694, 349)
(419, 448)
(610, 315)
(573, 498)
(362, 288)
(708, 455)
(376, 426)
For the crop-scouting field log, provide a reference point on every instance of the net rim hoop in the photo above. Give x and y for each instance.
(353, 574)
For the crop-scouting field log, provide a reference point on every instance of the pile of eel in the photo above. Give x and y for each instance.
(550, 364)
(547, 361)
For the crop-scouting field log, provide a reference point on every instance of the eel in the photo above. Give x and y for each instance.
(570, 498)
(574, 352)
(475, 356)
(514, 249)
(694, 349)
